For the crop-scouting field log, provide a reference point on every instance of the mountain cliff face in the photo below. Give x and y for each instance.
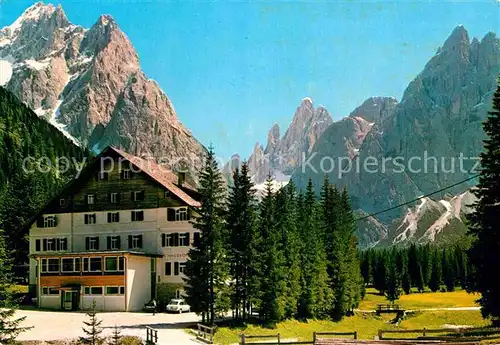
(88, 83)
(282, 155)
(437, 121)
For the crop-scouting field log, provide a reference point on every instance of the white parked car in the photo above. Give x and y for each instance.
(178, 305)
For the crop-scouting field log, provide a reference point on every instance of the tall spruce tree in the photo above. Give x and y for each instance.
(207, 268)
(484, 254)
(272, 273)
(10, 326)
(393, 278)
(286, 223)
(436, 278)
(316, 293)
(241, 224)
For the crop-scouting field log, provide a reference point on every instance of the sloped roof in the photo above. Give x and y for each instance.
(162, 175)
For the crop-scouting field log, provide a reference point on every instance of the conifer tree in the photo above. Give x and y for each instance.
(316, 293)
(402, 266)
(286, 223)
(116, 337)
(241, 226)
(393, 279)
(379, 272)
(484, 254)
(436, 274)
(207, 269)
(272, 274)
(94, 329)
(10, 326)
(449, 269)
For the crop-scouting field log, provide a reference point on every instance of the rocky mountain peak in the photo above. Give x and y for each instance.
(459, 36)
(375, 109)
(273, 138)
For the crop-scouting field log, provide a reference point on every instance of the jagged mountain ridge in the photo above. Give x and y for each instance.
(283, 154)
(89, 84)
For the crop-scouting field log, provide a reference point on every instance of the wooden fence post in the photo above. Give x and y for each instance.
(355, 335)
(242, 339)
(424, 331)
(380, 334)
(314, 338)
(279, 340)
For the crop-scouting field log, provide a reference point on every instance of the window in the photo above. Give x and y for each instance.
(50, 265)
(182, 267)
(169, 240)
(137, 216)
(92, 243)
(70, 264)
(184, 239)
(103, 176)
(90, 218)
(49, 291)
(125, 174)
(54, 244)
(113, 242)
(115, 290)
(92, 290)
(196, 238)
(137, 196)
(168, 268)
(134, 241)
(49, 221)
(113, 198)
(114, 263)
(92, 264)
(90, 199)
(62, 202)
(176, 268)
(49, 244)
(113, 217)
(38, 246)
(178, 214)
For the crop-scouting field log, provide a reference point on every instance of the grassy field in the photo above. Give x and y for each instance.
(367, 325)
(422, 300)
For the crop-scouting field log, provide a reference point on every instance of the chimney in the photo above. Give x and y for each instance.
(181, 178)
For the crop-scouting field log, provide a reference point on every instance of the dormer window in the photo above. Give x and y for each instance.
(138, 195)
(62, 202)
(90, 199)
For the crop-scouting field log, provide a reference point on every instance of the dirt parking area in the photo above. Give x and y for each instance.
(51, 325)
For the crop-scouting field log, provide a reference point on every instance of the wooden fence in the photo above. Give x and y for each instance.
(151, 336)
(389, 308)
(205, 333)
(446, 333)
(317, 336)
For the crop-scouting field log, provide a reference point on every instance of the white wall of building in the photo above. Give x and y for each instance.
(138, 277)
(104, 303)
(50, 302)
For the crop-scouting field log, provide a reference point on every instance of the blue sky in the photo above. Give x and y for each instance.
(232, 69)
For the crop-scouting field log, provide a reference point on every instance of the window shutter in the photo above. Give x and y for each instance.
(168, 268)
(118, 216)
(64, 244)
(141, 215)
(108, 240)
(97, 243)
(163, 240)
(139, 242)
(129, 241)
(132, 196)
(176, 268)
(176, 239)
(55, 221)
(196, 239)
(142, 195)
(171, 214)
(118, 197)
(109, 217)
(37, 245)
(188, 239)
(109, 197)
(39, 222)
(44, 244)
(58, 243)
(87, 243)
(189, 214)
(119, 242)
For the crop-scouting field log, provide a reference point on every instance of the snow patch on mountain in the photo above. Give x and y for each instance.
(5, 71)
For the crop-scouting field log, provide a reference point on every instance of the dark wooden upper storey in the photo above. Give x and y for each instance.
(115, 180)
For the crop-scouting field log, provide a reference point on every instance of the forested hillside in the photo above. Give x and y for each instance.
(30, 149)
